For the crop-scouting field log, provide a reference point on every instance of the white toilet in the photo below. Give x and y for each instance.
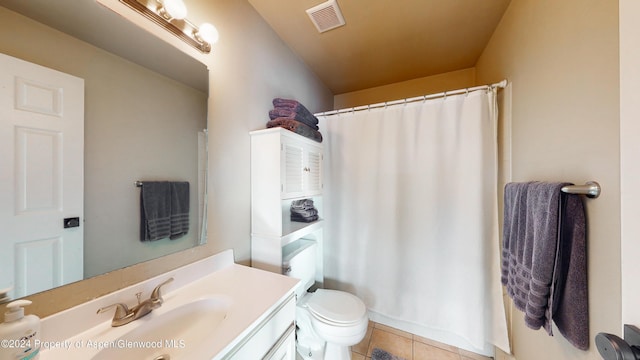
(328, 321)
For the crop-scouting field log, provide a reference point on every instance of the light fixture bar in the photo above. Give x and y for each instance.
(185, 33)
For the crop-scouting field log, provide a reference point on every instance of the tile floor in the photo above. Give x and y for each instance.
(406, 345)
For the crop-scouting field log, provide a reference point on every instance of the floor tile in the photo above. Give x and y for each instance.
(405, 345)
(395, 344)
(363, 346)
(437, 344)
(423, 351)
(472, 356)
(393, 330)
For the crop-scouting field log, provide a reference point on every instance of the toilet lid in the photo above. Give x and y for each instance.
(336, 306)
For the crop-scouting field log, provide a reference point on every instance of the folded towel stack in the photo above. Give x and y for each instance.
(293, 116)
(303, 211)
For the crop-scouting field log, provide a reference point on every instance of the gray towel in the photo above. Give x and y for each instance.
(572, 313)
(164, 210)
(293, 109)
(296, 127)
(155, 210)
(543, 258)
(179, 209)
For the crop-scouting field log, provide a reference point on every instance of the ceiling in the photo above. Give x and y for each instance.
(385, 41)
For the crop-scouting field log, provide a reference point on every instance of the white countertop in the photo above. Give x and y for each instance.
(253, 293)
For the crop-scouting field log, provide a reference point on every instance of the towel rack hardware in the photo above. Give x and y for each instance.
(591, 189)
(138, 183)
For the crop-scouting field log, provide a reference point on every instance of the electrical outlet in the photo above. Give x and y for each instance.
(632, 335)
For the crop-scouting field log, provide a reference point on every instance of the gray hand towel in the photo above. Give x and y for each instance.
(572, 313)
(543, 222)
(544, 258)
(179, 209)
(155, 210)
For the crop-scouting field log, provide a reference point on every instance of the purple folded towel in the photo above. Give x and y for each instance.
(287, 103)
(294, 110)
(297, 127)
(309, 120)
(544, 258)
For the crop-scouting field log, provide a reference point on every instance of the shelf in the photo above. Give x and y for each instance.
(299, 229)
(292, 231)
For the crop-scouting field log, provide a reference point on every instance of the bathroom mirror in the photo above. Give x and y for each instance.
(145, 119)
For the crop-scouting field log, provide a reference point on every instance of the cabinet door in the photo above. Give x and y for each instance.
(313, 169)
(285, 348)
(301, 171)
(294, 170)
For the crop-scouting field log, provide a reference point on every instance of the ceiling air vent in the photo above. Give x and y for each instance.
(326, 16)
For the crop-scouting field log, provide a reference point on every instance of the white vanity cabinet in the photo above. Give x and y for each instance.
(273, 338)
(285, 166)
(214, 309)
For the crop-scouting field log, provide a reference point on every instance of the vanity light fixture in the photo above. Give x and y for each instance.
(171, 15)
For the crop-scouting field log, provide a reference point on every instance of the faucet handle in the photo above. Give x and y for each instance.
(121, 310)
(121, 314)
(156, 296)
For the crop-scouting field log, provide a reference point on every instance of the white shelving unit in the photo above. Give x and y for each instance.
(284, 167)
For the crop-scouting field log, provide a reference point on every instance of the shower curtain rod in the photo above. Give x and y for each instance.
(502, 84)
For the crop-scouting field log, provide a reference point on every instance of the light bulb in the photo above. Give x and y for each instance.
(208, 33)
(176, 9)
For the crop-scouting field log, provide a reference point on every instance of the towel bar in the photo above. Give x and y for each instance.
(591, 189)
(138, 183)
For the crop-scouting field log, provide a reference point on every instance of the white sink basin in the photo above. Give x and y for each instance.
(183, 332)
(210, 312)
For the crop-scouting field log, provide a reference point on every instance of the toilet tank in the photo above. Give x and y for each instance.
(299, 261)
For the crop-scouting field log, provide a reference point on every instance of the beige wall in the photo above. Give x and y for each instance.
(417, 87)
(248, 67)
(629, 164)
(562, 60)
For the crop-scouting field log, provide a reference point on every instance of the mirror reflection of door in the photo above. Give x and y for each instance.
(41, 179)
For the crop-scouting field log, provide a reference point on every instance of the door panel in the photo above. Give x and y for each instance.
(38, 172)
(48, 255)
(41, 178)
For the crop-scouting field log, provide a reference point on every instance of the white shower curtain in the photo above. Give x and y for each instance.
(411, 216)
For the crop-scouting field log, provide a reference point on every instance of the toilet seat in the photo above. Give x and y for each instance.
(337, 308)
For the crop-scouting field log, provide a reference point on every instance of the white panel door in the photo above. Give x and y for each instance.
(41, 178)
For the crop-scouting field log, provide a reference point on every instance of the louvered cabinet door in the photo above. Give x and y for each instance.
(294, 170)
(313, 171)
(302, 170)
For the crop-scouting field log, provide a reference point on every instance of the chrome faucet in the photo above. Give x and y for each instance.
(124, 315)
